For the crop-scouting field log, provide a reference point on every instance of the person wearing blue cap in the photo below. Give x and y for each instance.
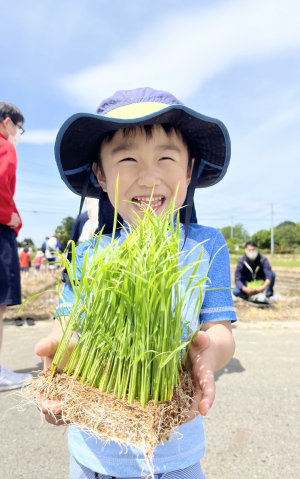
(152, 141)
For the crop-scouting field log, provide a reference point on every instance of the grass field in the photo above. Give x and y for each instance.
(286, 264)
(281, 260)
(287, 286)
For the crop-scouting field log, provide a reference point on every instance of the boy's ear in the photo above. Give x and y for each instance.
(190, 171)
(100, 178)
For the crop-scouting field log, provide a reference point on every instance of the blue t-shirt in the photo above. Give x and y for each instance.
(187, 447)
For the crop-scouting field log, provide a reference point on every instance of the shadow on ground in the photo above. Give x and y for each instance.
(234, 366)
(38, 367)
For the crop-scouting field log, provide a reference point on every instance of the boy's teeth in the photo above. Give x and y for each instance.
(144, 201)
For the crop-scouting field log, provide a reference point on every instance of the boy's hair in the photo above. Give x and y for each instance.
(251, 243)
(8, 110)
(25, 249)
(168, 128)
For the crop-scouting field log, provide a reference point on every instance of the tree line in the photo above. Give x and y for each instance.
(286, 235)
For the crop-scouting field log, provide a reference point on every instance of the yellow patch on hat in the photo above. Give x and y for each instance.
(136, 110)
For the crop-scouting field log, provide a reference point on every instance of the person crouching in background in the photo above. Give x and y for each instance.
(253, 266)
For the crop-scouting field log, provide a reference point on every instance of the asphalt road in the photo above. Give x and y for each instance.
(253, 429)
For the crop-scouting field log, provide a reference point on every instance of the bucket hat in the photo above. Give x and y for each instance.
(79, 138)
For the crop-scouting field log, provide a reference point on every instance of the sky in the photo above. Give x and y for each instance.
(232, 60)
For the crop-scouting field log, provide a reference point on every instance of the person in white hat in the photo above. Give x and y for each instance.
(37, 262)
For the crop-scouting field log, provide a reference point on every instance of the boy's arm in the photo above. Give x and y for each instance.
(211, 350)
(222, 342)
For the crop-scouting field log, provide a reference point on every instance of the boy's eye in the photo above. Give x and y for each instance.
(166, 158)
(128, 159)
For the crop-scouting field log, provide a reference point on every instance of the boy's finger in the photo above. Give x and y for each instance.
(208, 388)
(46, 405)
(47, 361)
(47, 346)
(200, 342)
(56, 421)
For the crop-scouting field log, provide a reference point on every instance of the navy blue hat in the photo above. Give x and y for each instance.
(78, 139)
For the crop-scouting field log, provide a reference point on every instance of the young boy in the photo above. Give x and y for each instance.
(151, 140)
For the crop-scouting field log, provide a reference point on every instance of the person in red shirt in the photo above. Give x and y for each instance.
(11, 121)
(24, 264)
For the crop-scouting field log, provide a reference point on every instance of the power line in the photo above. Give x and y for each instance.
(44, 212)
(38, 164)
(272, 231)
(245, 218)
(39, 172)
(20, 180)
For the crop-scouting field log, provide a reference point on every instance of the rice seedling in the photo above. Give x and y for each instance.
(132, 294)
(256, 282)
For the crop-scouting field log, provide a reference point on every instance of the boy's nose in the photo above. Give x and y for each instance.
(148, 180)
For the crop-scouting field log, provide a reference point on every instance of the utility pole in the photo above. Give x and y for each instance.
(231, 231)
(272, 231)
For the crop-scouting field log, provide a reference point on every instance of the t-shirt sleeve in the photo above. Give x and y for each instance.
(218, 304)
(67, 299)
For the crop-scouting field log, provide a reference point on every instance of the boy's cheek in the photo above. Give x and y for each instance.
(181, 195)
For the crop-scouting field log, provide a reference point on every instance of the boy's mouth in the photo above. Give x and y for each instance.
(143, 201)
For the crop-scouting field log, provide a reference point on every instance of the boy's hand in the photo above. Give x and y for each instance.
(46, 349)
(201, 358)
(211, 350)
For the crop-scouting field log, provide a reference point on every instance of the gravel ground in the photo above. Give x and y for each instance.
(252, 430)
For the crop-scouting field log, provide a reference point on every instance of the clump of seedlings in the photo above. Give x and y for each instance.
(256, 282)
(126, 379)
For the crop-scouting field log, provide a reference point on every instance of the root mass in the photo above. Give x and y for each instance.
(110, 418)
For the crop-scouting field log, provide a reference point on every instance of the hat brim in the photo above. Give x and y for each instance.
(78, 140)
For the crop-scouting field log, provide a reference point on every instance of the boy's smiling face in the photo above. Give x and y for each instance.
(159, 161)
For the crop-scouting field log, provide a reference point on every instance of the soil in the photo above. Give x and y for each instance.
(38, 308)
